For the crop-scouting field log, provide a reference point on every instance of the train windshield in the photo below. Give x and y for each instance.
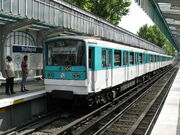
(66, 52)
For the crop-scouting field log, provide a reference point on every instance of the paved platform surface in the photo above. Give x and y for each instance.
(168, 122)
(36, 89)
(32, 86)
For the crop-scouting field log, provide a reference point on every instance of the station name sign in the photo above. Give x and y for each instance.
(26, 49)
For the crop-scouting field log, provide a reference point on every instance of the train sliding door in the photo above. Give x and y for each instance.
(92, 72)
(126, 65)
(107, 67)
(137, 63)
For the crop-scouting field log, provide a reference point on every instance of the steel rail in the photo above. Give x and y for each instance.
(114, 119)
(159, 108)
(68, 129)
(143, 115)
(23, 126)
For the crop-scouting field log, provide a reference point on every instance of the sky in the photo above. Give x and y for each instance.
(135, 19)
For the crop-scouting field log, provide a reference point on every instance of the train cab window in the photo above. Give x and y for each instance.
(103, 57)
(140, 58)
(66, 52)
(125, 58)
(132, 58)
(117, 58)
(109, 62)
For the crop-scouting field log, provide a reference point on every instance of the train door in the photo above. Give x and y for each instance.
(125, 64)
(107, 66)
(150, 62)
(92, 72)
(144, 63)
(137, 63)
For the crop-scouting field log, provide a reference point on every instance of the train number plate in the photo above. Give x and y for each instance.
(68, 68)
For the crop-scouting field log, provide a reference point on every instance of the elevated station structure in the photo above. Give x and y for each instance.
(166, 14)
(25, 24)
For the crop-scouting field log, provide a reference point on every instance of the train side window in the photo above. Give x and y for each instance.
(136, 58)
(125, 58)
(109, 58)
(91, 58)
(140, 58)
(151, 58)
(132, 58)
(117, 58)
(103, 57)
(146, 58)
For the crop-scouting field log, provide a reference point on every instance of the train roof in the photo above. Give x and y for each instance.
(90, 38)
(73, 37)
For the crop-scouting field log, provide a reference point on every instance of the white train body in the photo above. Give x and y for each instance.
(102, 65)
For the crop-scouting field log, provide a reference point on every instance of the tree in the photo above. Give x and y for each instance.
(169, 49)
(154, 35)
(110, 10)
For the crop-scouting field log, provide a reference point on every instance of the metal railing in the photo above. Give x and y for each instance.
(61, 13)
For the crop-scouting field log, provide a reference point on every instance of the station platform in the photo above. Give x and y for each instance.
(168, 122)
(35, 90)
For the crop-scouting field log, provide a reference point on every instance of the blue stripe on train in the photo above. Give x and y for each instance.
(65, 68)
(65, 75)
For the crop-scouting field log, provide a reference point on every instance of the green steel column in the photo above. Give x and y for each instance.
(1, 49)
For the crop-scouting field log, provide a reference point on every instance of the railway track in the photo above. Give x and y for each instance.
(52, 121)
(119, 114)
(100, 120)
(141, 116)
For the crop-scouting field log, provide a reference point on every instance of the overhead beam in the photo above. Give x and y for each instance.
(168, 1)
(55, 30)
(19, 24)
(9, 27)
(171, 15)
(174, 25)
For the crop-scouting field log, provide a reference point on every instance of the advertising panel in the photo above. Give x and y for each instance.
(34, 53)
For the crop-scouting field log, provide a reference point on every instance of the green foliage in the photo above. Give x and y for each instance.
(169, 48)
(110, 10)
(154, 35)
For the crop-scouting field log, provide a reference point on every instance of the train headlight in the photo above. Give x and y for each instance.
(62, 75)
(76, 75)
(50, 74)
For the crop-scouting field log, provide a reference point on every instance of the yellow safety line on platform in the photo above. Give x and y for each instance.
(2, 110)
(18, 101)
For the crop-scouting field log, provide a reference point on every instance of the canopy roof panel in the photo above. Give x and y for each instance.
(166, 14)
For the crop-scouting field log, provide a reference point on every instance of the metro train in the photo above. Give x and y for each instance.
(90, 70)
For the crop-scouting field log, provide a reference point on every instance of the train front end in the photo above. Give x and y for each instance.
(65, 68)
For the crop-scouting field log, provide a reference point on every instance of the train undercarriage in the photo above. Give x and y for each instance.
(95, 100)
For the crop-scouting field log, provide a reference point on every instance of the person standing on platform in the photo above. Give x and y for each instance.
(25, 70)
(10, 74)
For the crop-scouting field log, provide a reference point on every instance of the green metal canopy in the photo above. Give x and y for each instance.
(166, 15)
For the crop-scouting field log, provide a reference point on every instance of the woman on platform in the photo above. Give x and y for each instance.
(25, 70)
